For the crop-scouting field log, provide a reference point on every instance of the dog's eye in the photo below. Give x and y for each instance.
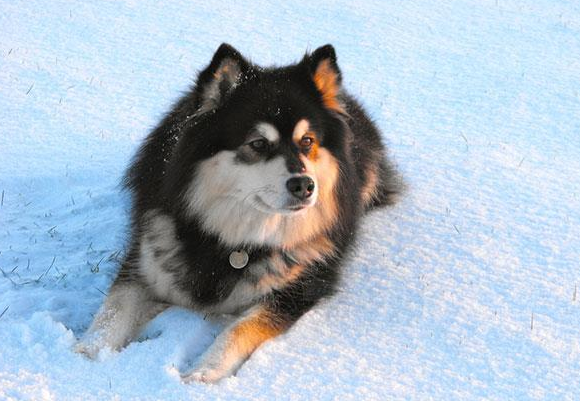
(306, 142)
(259, 145)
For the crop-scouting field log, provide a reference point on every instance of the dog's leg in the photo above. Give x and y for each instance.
(127, 308)
(275, 314)
(236, 343)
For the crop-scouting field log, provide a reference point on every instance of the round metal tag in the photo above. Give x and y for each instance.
(239, 259)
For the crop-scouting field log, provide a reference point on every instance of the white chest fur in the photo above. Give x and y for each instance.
(159, 255)
(159, 259)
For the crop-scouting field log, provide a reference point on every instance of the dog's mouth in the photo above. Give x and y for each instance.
(295, 207)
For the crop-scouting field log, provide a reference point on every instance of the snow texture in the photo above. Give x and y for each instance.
(467, 290)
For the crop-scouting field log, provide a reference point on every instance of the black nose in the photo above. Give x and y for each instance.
(300, 187)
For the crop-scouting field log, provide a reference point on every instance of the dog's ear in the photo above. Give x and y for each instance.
(225, 71)
(326, 76)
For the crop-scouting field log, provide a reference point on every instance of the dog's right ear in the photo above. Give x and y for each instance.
(326, 76)
(216, 82)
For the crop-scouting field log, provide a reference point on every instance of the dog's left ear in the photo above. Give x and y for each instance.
(217, 81)
(326, 75)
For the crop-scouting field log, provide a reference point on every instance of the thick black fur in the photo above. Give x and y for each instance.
(167, 160)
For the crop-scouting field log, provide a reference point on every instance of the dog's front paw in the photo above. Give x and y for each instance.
(206, 374)
(88, 349)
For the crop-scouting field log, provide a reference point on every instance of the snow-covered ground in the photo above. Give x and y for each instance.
(467, 290)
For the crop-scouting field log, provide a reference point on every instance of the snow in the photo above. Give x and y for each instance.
(468, 289)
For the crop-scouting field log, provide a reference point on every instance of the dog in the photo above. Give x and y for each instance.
(246, 199)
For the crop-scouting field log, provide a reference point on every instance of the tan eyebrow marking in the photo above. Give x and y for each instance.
(300, 129)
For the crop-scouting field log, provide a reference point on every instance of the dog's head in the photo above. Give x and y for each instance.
(266, 145)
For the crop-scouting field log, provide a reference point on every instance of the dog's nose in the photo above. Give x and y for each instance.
(300, 187)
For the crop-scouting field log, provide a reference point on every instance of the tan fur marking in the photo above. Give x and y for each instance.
(283, 275)
(300, 129)
(313, 154)
(326, 80)
(370, 187)
(315, 250)
(250, 333)
(227, 67)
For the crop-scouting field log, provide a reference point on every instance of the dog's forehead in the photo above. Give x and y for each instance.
(282, 102)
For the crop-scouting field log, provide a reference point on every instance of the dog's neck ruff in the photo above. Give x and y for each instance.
(245, 228)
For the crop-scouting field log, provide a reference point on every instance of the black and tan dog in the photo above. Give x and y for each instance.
(246, 199)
